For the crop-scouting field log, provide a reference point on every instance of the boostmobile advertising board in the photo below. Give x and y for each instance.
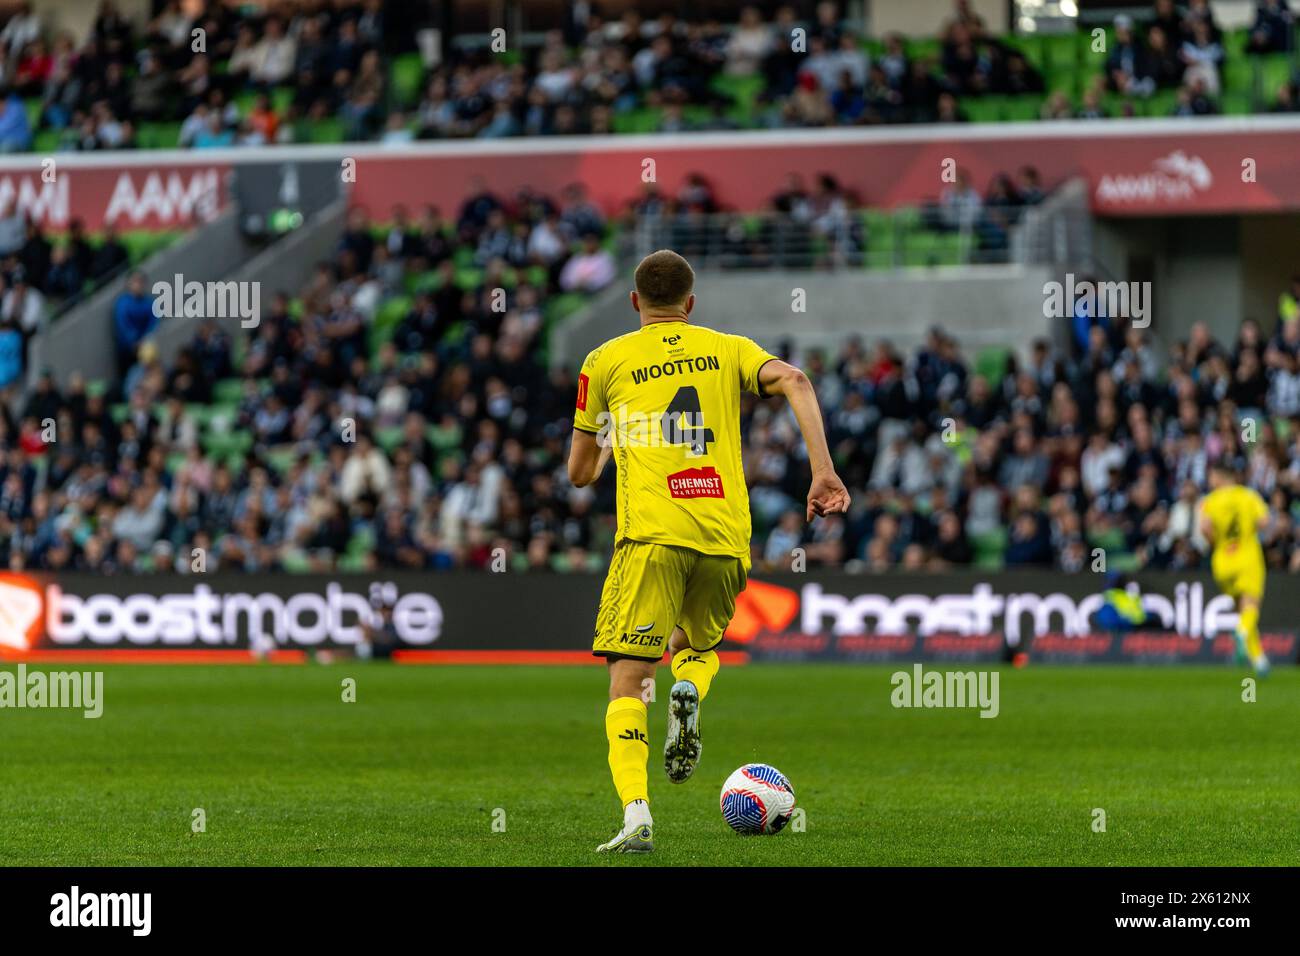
(520, 618)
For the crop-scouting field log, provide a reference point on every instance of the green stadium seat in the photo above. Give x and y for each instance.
(282, 99)
(158, 135)
(1239, 75)
(744, 90)
(920, 249)
(1275, 71)
(228, 391)
(295, 562)
(389, 438)
(923, 48)
(991, 362)
(328, 130)
(989, 548)
(1235, 104)
(984, 109)
(1110, 540)
(281, 459)
(1161, 103)
(46, 141)
(468, 279)
(1023, 109)
(560, 307)
(407, 77)
(1125, 562)
(1060, 50)
(642, 120)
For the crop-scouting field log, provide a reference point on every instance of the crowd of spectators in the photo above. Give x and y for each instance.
(429, 448)
(1104, 443)
(260, 76)
(443, 444)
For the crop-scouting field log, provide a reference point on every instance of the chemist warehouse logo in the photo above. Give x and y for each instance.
(203, 617)
(770, 609)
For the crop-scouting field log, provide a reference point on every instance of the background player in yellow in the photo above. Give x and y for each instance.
(1232, 516)
(664, 403)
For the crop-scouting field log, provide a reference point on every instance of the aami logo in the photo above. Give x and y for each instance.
(20, 611)
(696, 483)
(762, 607)
(582, 391)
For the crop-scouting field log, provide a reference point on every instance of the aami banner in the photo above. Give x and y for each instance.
(541, 618)
(1157, 167)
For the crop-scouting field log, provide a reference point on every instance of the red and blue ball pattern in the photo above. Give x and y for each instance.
(757, 799)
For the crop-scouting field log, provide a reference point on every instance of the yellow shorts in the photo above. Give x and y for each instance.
(1239, 576)
(652, 588)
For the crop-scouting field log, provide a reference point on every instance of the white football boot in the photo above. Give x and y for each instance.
(637, 835)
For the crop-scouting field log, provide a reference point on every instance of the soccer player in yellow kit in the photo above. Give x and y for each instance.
(664, 403)
(1231, 518)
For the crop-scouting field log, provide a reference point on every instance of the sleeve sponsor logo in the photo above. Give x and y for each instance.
(696, 483)
(583, 382)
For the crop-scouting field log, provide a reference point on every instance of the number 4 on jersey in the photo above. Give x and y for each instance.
(683, 422)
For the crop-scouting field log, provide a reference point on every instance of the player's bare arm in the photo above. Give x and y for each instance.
(827, 494)
(587, 458)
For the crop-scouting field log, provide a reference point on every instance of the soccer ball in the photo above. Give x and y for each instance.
(757, 799)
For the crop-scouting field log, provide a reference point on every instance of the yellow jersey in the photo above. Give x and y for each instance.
(668, 397)
(1236, 513)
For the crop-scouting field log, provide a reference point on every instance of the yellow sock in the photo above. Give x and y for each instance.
(1248, 621)
(629, 749)
(696, 667)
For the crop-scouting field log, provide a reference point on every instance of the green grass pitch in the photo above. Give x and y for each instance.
(420, 767)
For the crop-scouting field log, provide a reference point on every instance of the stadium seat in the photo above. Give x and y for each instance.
(228, 391)
(989, 547)
(643, 120)
(1235, 104)
(992, 362)
(983, 109)
(923, 48)
(744, 90)
(46, 141)
(1060, 51)
(327, 130)
(387, 318)
(1023, 109)
(158, 135)
(1239, 75)
(1275, 71)
(1110, 540)
(407, 76)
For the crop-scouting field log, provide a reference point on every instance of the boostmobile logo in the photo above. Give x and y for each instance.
(770, 609)
(20, 611)
(202, 616)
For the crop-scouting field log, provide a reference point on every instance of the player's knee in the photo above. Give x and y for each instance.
(628, 678)
(678, 642)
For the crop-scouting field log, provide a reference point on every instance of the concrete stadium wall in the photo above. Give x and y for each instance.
(980, 306)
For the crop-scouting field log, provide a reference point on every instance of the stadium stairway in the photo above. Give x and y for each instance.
(80, 341)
